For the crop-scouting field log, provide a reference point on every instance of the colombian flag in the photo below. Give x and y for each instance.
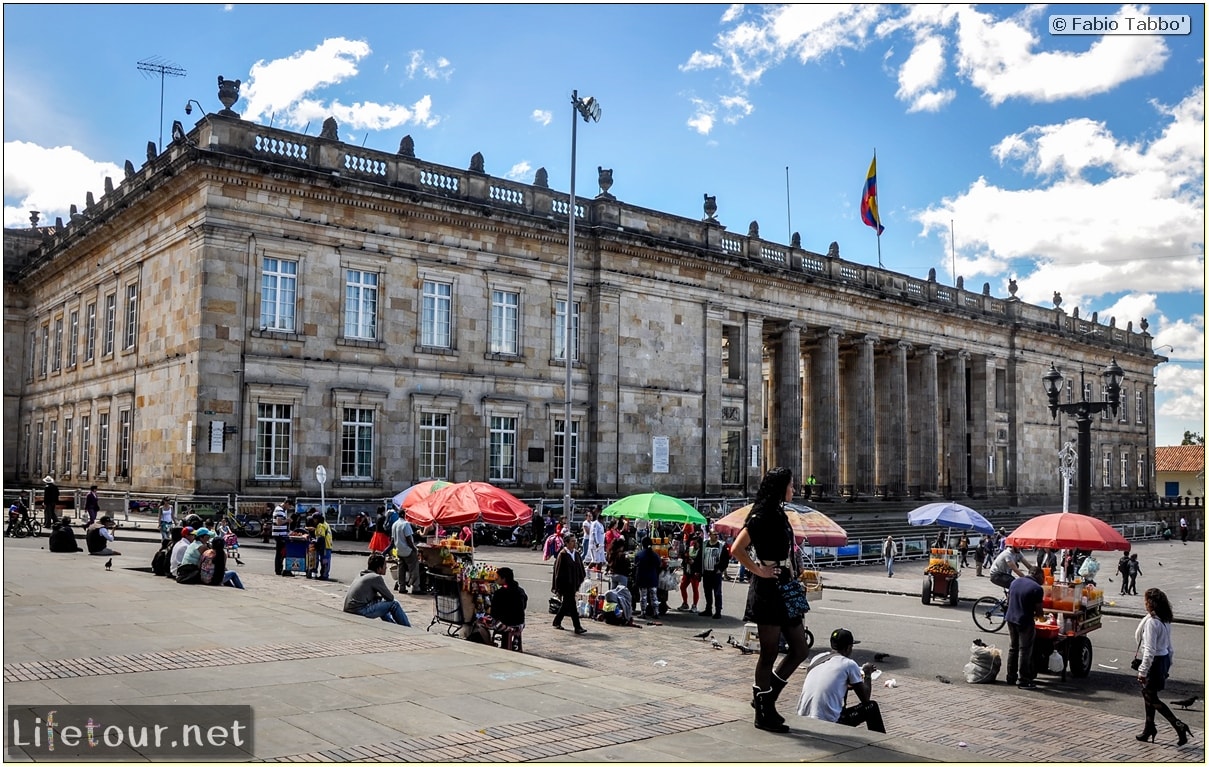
(869, 200)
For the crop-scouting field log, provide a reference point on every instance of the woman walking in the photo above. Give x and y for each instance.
(768, 533)
(1155, 655)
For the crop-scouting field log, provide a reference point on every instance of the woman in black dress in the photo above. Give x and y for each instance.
(768, 533)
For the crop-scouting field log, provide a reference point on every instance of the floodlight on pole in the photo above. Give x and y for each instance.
(589, 110)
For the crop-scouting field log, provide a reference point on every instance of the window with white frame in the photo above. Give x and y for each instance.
(103, 444)
(39, 444)
(25, 456)
(1139, 406)
(274, 432)
(1124, 405)
(1106, 413)
(85, 436)
(505, 322)
(361, 305)
(560, 451)
(68, 443)
(132, 314)
(1141, 471)
(90, 332)
(1107, 479)
(33, 355)
(53, 454)
(560, 330)
(436, 312)
(278, 294)
(57, 361)
(73, 338)
(1124, 469)
(1070, 391)
(357, 444)
(42, 363)
(125, 426)
(111, 310)
(502, 455)
(434, 445)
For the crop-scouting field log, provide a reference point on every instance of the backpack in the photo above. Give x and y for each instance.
(161, 562)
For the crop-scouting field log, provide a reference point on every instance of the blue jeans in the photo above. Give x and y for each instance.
(231, 578)
(391, 612)
(890, 566)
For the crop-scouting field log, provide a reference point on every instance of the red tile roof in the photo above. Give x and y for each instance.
(1181, 458)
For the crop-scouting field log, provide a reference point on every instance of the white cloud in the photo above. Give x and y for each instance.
(228, 7)
(1131, 308)
(702, 120)
(1186, 337)
(733, 11)
(438, 70)
(1138, 220)
(50, 180)
(701, 60)
(920, 74)
(542, 116)
(1182, 390)
(737, 107)
(520, 172)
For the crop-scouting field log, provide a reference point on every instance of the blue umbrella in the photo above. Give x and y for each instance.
(950, 514)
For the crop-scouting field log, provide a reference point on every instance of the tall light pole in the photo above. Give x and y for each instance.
(589, 110)
(1083, 411)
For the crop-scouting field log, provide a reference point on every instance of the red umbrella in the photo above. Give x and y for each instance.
(469, 502)
(1068, 530)
(418, 492)
(808, 524)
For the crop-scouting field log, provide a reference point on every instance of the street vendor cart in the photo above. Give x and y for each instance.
(943, 571)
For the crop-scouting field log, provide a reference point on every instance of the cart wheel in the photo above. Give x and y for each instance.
(926, 595)
(953, 593)
(989, 614)
(809, 640)
(1079, 656)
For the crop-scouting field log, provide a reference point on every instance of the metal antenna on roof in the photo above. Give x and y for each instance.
(157, 65)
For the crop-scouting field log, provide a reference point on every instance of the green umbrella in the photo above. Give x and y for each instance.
(655, 507)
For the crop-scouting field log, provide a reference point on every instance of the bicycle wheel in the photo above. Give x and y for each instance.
(990, 614)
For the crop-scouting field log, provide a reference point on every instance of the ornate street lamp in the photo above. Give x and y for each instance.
(1083, 411)
(589, 110)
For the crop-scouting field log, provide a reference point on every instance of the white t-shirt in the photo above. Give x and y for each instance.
(178, 555)
(826, 686)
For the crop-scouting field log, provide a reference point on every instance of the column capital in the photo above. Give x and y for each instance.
(869, 339)
(903, 346)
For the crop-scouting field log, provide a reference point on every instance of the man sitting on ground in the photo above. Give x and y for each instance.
(62, 539)
(178, 551)
(99, 536)
(190, 568)
(829, 678)
(368, 595)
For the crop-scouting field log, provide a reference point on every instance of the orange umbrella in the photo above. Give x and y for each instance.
(808, 524)
(469, 502)
(1068, 530)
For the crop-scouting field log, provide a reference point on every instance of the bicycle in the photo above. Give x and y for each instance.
(990, 613)
(23, 526)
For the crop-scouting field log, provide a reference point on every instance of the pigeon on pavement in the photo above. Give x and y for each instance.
(716, 644)
(703, 635)
(109, 564)
(744, 650)
(1184, 704)
(943, 679)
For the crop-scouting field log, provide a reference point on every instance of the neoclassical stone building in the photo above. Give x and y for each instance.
(252, 303)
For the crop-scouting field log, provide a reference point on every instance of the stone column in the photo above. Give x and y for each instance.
(825, 409)
(753, 379)
(924, 407)
(892, 422)
(787, 408)
(865, 438)
(982, 422)
(711, 405)
(958, 425)
(605, 415)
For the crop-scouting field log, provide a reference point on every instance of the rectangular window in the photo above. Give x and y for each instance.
(132, 314)
(42, 363)
(1141, 471)
(732, 456)
(278, 292)
(90, 332)
(1124, 410)
(732, 352)
(560, 453)
(560, 331)
(273, 433)
(58, 358)
(52, 459)
(1070, 391)
(1139, 406)
(1107, 479)
(361, 305)
(33, 355)
(73, 338)
(39, 443)
(85, 435)
(25, 455)
(434, 445)
(505, 322)
(111, 310)
(1124, 469)
(1000, 389)
(357, 444)
(436, 312)
(103, 445)
(1106, 413)
(1086, 392)
(502, 459)
(69, 439)
(125, 426)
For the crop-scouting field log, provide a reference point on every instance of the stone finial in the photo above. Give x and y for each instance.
(151, 151)
(73, 211)
(476, 163)
(961, 283)
(129, 169)
(108, 185)
(33, 218)
(604, 177)
(1145, 324)
(986, 288)
(58, 223)
(753, 229)
(228, 94)
(1012, 287)
(1057, 299)
(710, 207)
(88, 200)
(1112, 322)
(833, 250)
(407, 147)
(795, 241)
(330, 129)
(1129, 326)
(932, 274)
(1075, 313)
(541, 178)
(1095, 318)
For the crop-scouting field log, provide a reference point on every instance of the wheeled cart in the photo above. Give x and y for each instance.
(1073, 612)
(940, 578)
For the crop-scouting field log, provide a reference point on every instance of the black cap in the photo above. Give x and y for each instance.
(842, 638)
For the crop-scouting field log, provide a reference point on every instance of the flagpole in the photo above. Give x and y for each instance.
(878, 228)
(879, 251)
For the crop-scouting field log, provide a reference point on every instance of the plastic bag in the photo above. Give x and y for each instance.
(984, 665)
(1055, 663)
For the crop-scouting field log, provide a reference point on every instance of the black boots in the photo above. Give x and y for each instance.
(764, 702)
(1148, 733)
(1182, 730)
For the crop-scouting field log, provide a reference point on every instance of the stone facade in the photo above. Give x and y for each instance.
(259, 302)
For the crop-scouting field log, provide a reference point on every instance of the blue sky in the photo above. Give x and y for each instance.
(1073, 163)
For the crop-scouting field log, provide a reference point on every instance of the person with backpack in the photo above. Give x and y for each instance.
(1123, 571)
(62, 539)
